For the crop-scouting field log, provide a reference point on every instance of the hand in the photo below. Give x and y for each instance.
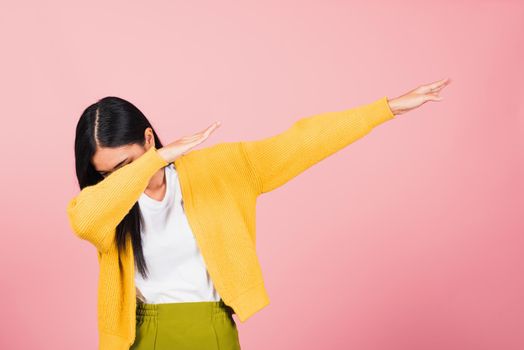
(418, 97)
(175, 149)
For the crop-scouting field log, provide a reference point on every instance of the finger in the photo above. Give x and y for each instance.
(210, 127)
(441, 87)
(434, 87)
(201, 138)
(433, 97)
(192, 137)
(438, 84)
(203, 135)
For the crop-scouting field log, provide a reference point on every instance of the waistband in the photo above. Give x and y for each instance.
(184, 311)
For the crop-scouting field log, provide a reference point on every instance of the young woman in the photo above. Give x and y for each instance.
(174, 228)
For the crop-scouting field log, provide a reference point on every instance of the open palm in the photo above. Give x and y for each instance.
(418, 96)
(176, 148)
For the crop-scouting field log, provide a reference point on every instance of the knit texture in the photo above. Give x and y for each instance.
(220, 185)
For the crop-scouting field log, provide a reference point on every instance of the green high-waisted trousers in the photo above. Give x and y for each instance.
(202, 325)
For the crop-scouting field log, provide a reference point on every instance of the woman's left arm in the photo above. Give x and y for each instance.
(277, 159)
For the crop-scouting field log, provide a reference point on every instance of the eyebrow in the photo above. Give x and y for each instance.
(116, 166)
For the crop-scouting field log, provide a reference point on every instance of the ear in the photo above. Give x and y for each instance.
(149, 137)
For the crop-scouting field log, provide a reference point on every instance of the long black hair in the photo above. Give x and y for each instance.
(112, 122)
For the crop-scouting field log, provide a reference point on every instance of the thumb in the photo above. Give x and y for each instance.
(433, 97)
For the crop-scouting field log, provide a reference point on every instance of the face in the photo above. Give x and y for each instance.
(108, 159)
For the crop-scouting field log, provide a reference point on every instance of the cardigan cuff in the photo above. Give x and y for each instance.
(378, 112)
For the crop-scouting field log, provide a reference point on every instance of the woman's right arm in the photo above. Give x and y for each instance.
(97, 210)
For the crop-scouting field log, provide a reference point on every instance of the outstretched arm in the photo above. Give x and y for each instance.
(277, 159)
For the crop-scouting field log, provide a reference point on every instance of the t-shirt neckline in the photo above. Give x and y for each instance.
(156, 204)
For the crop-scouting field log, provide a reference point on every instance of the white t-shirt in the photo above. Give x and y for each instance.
(177, 271)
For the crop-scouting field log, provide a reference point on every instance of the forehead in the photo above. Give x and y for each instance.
(106, 158)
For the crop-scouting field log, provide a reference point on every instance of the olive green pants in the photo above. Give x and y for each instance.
(203, 325)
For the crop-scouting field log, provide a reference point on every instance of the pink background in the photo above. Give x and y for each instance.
(411, 238)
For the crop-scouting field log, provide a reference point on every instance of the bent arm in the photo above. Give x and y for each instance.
(97, 210)
(277, 159)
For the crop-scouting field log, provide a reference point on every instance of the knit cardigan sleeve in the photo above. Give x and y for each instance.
(97, 210)
(277, 159)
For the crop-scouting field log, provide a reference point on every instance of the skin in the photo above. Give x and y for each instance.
(107, 159)
(418, 96)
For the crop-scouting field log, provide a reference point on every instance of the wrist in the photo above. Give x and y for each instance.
(162, 153)
(393, 106)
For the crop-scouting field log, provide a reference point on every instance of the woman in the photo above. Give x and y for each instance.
(174, 228)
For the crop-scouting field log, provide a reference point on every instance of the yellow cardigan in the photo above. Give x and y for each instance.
(220, 185)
